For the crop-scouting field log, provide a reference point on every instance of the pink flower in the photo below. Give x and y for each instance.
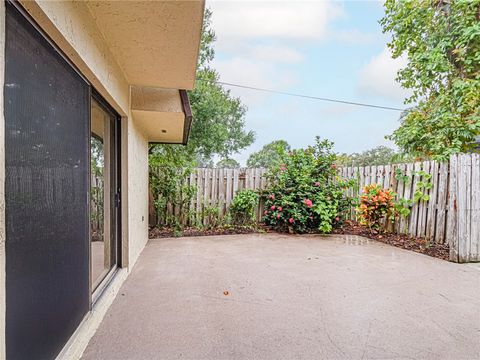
(334, 166)
(337, 218)
(291, 220)
(279, 208)
(311, 217)
(272, 207)
(308, 202)
(272, 197)
(278, 216)
(265, 213)
(282, 167)
(317, 183)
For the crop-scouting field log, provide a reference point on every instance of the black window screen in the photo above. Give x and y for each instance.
(47, 162)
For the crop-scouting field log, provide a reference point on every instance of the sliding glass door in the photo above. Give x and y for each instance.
(104, 192)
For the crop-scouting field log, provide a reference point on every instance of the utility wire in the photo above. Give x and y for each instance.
(303, 96)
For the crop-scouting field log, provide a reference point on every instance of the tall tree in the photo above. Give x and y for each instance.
(270, 154)
(219, 118)
(441, 39)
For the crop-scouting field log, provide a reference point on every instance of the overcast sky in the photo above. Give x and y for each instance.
(332, 49)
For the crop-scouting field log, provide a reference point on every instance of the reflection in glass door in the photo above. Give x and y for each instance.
(103, 193)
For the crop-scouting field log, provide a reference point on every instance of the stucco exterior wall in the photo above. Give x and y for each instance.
(137, 191)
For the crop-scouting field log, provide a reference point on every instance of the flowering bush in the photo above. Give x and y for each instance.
(305, 193)
(376, 205)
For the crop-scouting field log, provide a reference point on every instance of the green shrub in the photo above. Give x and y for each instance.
(305, 193)
(243, 207)
(211, 214)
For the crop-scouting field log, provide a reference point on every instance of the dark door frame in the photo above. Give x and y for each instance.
(96, 293)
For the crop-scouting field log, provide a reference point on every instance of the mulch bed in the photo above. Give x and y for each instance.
(440, 251)
(423, 246)
(155, 233)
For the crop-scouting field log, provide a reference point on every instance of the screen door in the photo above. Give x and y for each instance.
(47, 142)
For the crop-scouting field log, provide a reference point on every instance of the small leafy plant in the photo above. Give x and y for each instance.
(376, 206)
(403, 206)
(243, 207)
(211, 215)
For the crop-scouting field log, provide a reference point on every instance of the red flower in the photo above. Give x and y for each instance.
(291, 220)
(272, 207)
(279, 208)
(308, 202)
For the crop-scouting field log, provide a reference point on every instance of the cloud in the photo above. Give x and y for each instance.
(252, 72)
(274, 19)
(353, 36)
(378, 77)
(260, 40)
(276, 54)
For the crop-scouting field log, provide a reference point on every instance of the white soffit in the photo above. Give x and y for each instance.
(161, 113)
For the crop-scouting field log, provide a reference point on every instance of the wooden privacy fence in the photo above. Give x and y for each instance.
(451, 214)
(217, 187)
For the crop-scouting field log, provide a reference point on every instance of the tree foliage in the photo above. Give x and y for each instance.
(269, 155)
(441, 39)
(228, 164)
(380, 155)
(219, 118)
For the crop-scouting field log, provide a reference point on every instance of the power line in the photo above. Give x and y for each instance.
(303, 96)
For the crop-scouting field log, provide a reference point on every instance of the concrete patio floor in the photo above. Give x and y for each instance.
(290, 297)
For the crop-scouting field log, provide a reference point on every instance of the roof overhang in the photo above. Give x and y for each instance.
(155, 43)
(163, 114)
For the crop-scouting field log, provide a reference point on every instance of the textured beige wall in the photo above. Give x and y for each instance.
(137, 191)
(2, 184)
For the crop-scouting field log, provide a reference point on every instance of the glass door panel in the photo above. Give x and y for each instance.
(103, 185)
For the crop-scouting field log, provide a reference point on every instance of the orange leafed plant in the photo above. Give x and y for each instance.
(376, 205)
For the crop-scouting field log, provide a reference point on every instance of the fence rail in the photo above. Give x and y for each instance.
(450, 215)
